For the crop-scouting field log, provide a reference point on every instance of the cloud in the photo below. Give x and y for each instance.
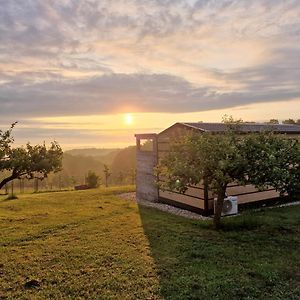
(142, 92)
(82, 57)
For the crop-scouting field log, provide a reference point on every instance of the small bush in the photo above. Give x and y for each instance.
(92, 180)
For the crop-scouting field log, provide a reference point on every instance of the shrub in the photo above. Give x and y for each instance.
(92, 180)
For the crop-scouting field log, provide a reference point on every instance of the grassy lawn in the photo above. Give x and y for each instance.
(94, 245)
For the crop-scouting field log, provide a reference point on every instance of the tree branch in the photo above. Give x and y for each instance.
(7, 179)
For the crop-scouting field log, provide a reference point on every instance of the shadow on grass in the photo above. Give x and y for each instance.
(250, 258)
(9, 198)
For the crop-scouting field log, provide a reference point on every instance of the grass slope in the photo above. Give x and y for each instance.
(94, 245)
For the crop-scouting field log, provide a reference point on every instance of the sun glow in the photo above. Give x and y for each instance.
(128, 119)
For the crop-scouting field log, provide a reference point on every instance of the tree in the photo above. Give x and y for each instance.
(120, 177)
(289, 121)
(132, 175)
(29, 161)
(298, 122)
(106, 174)
(273, 121)
(92, 179)
(272, 160)
(261, 159)
(207, 158)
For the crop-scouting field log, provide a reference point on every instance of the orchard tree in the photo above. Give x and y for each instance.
(272, 160)
(203, 158)
(27, 162)
(261, 159)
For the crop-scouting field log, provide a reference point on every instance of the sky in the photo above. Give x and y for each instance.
(90, 73)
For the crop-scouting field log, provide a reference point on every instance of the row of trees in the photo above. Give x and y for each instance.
(261, 159)
(287, 121)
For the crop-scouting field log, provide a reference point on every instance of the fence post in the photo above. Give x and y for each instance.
(12, 188)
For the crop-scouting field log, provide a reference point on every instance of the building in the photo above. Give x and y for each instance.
(151, 147)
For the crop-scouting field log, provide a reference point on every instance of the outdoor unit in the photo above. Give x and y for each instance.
(230, 206)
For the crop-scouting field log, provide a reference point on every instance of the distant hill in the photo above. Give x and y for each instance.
(125, 160)
(123, 166)
(92, 151)
(77, 162)
(105, 156)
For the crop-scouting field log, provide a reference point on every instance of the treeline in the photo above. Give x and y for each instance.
(287, 121)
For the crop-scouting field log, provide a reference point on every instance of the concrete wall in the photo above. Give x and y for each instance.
(146, 188)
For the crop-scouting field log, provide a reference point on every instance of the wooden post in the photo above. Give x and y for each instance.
(205, 185)
(36, 185)
(12, 188)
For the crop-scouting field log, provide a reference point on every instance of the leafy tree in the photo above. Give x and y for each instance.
(196, 158)
(107, 174)
(261, 159)
(29, 161)
(298, 122)
(289, 121)
(272, 160)
(92, 179)
(273, 121)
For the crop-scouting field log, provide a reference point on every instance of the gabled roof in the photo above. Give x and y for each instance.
(243, 127)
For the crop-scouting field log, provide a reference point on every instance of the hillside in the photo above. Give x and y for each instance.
(77, 163)
(105, 156)
(92, 151)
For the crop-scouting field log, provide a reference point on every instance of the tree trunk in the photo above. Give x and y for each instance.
(6, 180)
(12, 188)
(219, 207)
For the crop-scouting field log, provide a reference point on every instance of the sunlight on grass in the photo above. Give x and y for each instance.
(75, 244)
(95, 245)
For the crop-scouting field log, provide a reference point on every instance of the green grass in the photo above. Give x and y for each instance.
(93, 245)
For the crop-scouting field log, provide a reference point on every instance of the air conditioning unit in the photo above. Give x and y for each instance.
(230, 206)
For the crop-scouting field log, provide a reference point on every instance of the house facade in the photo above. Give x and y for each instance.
(198, 198)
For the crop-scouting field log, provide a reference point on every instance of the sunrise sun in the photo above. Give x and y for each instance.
(128, 119)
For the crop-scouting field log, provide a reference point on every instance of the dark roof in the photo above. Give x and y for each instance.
(245, 127)
(145, 135)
